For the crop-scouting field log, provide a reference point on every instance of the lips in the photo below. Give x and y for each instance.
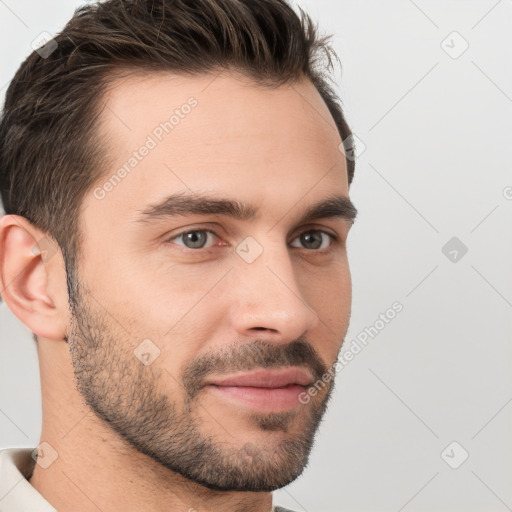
(266, 379)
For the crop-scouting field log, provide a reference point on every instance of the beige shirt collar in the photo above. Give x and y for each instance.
(16, 493)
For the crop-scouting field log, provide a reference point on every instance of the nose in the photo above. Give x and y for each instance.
(267, 299)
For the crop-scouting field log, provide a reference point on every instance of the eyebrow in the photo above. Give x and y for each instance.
(199, 204)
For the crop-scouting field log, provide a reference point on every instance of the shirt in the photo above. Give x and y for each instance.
(16, 493)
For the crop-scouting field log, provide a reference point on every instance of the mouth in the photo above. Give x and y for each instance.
(264, 390)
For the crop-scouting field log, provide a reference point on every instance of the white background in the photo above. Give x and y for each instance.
(436, 133)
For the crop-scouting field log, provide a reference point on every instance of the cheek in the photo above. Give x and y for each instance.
(177, 308)
(329, 293)
(328, 288)
(160, 293)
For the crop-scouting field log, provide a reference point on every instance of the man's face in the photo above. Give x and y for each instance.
(170, 302)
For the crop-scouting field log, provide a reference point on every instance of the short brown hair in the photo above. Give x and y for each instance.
(50, 152)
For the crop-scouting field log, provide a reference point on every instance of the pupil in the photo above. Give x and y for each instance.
(195, 239)
(312, 238)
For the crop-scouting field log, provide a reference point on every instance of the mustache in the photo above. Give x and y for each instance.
(258, 354)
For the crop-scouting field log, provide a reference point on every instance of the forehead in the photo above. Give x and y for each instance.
(217, 134)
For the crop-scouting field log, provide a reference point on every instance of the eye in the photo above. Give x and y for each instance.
(315, 239)
(195, 239)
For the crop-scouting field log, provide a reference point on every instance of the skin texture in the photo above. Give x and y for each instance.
(140, 437)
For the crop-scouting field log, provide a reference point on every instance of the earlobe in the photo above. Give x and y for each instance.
(26, 256)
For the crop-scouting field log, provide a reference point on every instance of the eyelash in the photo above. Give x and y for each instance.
(334, 239)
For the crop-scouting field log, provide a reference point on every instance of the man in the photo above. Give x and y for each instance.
(177, 209)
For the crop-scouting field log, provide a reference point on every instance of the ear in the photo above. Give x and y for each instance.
(33, 277)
